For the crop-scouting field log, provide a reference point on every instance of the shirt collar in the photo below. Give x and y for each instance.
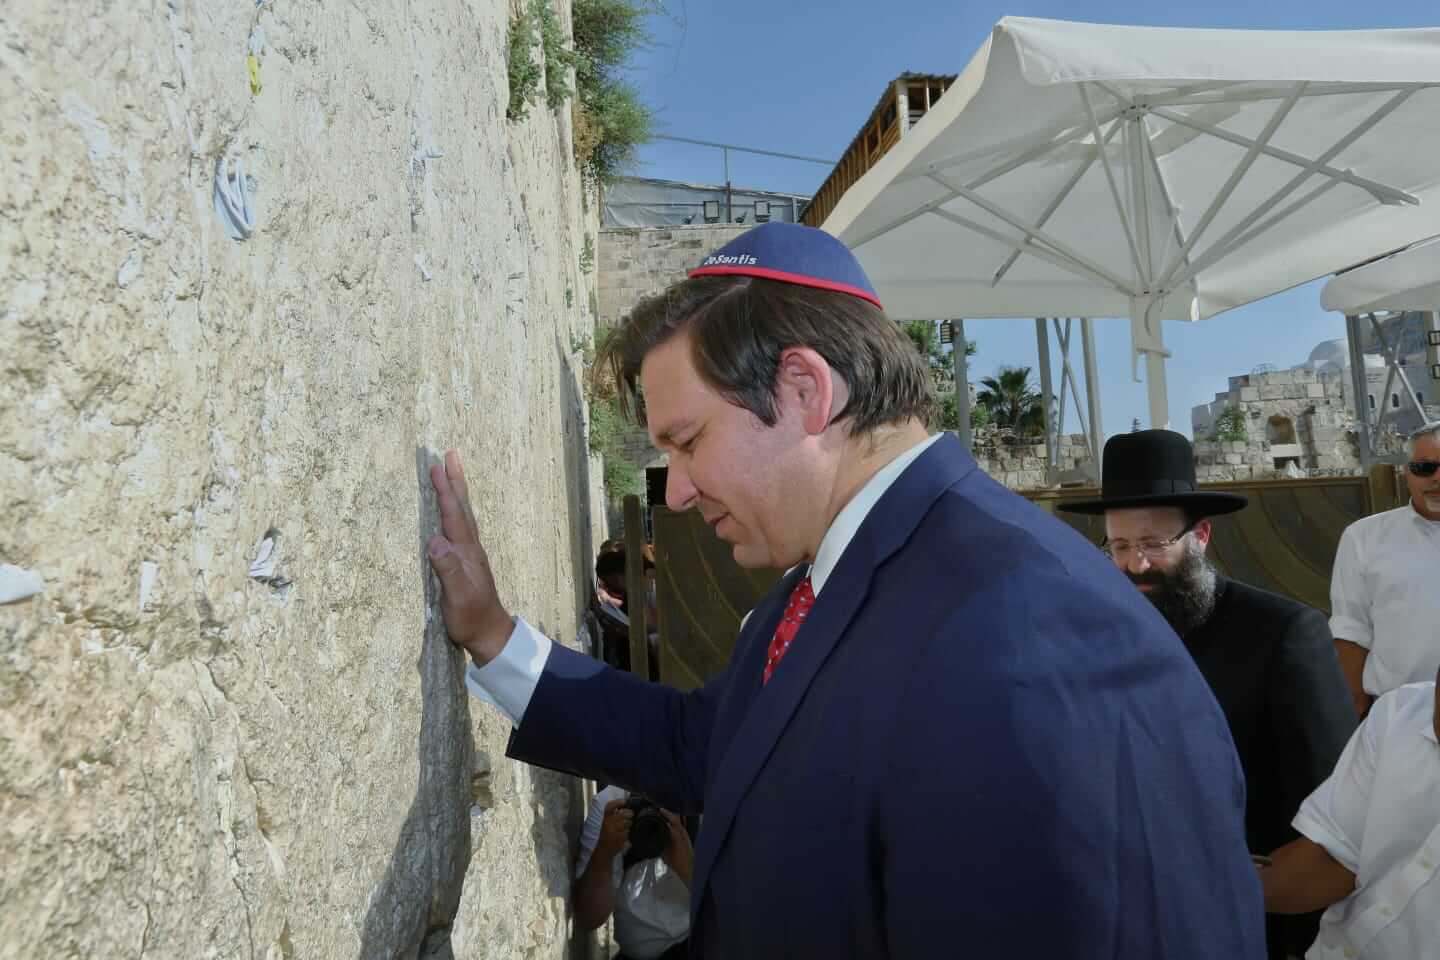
(1424, 521)
(847, 521)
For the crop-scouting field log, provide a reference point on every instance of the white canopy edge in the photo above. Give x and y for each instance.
(1408, 280)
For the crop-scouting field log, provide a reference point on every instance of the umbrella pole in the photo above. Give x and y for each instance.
(959, 346)
(1150, 341)
(1360, 392)
(1047, 407)
(1092, 391)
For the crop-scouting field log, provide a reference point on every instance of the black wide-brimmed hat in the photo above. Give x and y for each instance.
(1153, 468)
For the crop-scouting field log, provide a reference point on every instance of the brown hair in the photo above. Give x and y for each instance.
(740, 325)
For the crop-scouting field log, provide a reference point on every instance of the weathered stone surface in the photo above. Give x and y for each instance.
(199, 762)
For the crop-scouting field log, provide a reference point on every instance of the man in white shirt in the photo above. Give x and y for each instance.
(650, 896)
(1370, 844)
(1384, 605)
(947, 730)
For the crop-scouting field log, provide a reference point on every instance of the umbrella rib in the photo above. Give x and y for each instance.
(1173, 213)
(1380, 191)
(1226, 245)
(1275, 93)
(1257, 146)
(978, 182)
(920, 211)
(1110, 178)
(1058, 247)
(1042, 142)
(1040, 252)
(1393, 358)
(1052, 207)
(1284, 212)
(1141, 203)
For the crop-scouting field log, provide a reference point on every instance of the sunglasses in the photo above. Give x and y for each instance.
(1423, 468)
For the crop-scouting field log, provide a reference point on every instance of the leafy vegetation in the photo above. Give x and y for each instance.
(925, 334)
(608, 426)
(523, 69)
(1012, 401)
(610, 119)
(1230, 426)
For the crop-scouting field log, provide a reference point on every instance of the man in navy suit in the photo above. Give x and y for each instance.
(948, 731)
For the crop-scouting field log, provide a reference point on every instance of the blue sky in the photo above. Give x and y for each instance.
(800, 76)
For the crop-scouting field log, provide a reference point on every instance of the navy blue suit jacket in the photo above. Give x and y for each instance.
(984, 742)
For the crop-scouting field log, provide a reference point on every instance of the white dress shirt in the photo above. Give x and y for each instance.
(652, 903)
(1383, 597)
(1379, 816)
(508, 682)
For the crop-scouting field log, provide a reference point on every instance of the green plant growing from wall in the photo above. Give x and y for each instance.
(1230, 426)
(608, 426)
(523, 69)
(558, 58)
(610, 120)
(587, 255)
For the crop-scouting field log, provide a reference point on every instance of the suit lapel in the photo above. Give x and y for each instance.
(759, 715)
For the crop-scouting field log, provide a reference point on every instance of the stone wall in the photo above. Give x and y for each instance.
(640, 262)
(1297, 423)
(231, 725)
(1019, 462)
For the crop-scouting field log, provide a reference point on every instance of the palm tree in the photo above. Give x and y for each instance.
(1013, 400)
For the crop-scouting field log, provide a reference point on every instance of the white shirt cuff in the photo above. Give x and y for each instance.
(1336, 845)
(1347, 628)
(509, 681)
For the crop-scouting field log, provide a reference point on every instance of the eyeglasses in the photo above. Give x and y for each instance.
(1423, 468)
(1151, 547)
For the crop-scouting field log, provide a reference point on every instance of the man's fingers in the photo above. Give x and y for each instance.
(453, 522)
(446, 562)
(456, 472)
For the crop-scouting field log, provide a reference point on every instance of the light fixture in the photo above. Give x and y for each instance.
(1435, 371)
(762, 211)
(1433, 337)
(947, 331)
(740, 219)
(689, 219)
(712, 211)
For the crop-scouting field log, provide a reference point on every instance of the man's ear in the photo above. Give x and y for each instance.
(806, 385)
(1202, 531)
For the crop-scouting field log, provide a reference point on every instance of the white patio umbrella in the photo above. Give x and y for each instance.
(1408, 280)
(1235, 164)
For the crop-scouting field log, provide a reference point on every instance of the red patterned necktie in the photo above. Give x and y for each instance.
(802, 598)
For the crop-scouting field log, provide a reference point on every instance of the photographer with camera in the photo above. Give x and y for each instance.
(635, 861)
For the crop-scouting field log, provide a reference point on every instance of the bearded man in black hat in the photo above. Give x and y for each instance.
(1269, 660)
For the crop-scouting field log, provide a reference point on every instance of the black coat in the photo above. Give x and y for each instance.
(1271, 663)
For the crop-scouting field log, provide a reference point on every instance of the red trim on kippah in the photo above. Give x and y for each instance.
(784, 276)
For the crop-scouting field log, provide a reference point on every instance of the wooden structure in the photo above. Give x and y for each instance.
(908, 98)
(1283, 541)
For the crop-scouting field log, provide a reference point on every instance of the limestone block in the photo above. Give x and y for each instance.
(1248, 394)
(1271, 391)
(1315, 390)
(1304, 376)
(1280, 377)
(1234, 459)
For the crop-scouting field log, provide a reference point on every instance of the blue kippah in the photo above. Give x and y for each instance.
(791, 253)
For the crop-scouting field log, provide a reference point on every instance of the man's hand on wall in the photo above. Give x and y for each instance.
(474, 617)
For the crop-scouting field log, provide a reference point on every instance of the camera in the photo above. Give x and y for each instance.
(649, 830)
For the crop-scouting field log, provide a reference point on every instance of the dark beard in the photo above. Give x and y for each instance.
(1186, 595)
